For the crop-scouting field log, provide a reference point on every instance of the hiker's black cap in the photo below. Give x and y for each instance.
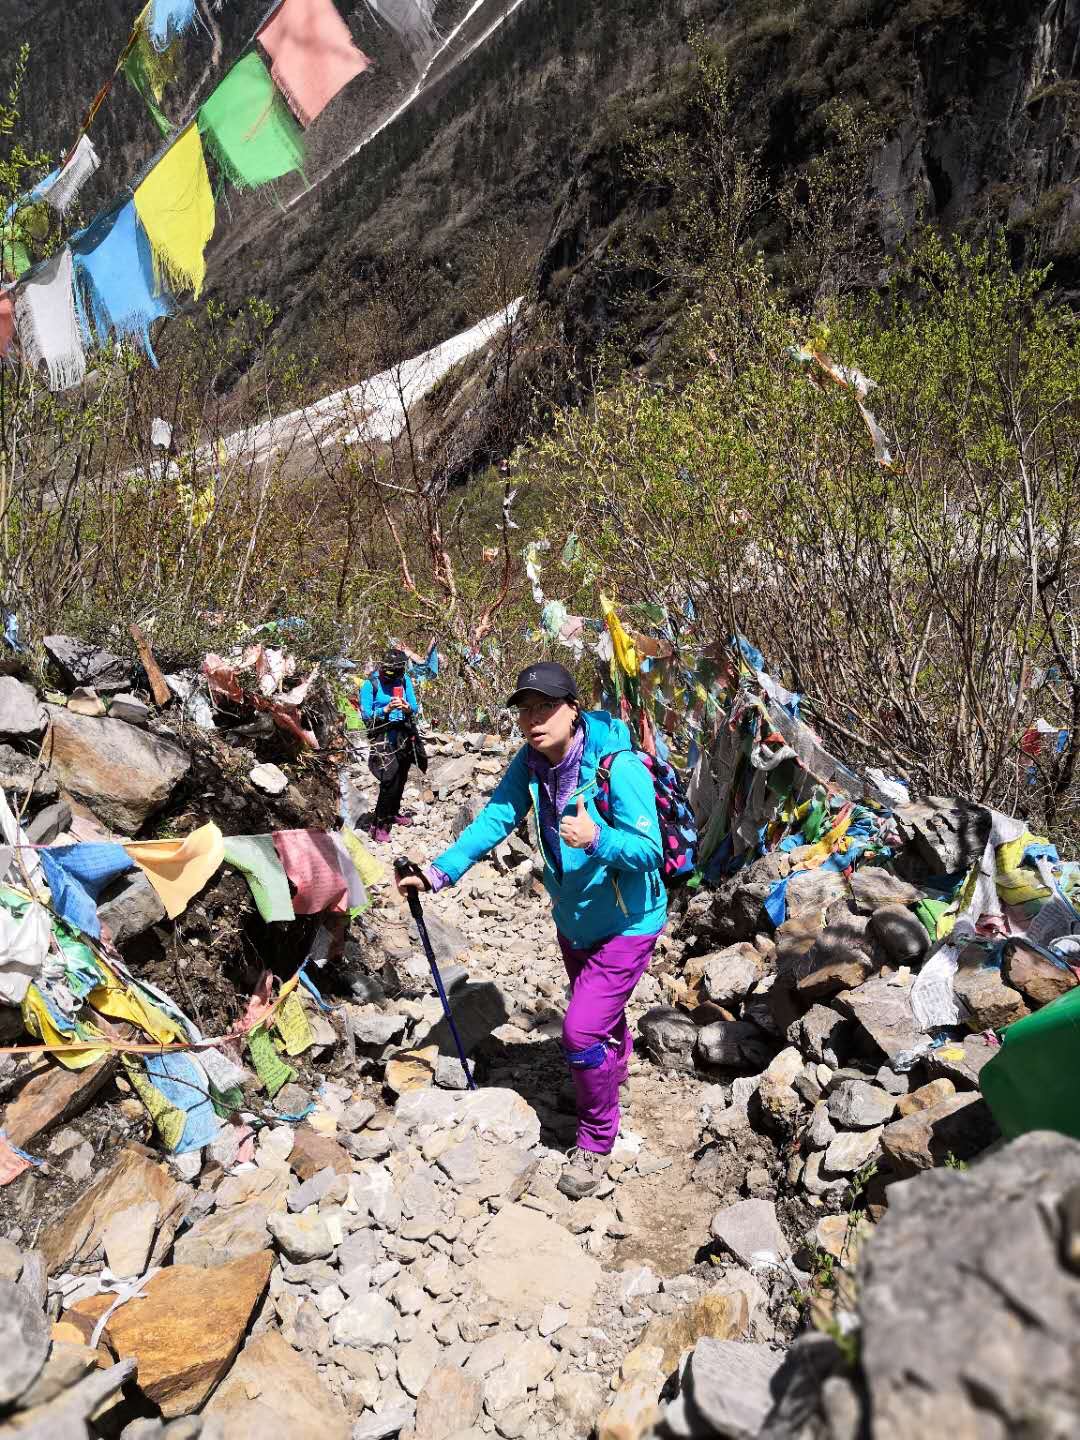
(393, 661)
(546, 678)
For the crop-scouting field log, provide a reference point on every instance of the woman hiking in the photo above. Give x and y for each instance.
(389, 708)
(605, 880)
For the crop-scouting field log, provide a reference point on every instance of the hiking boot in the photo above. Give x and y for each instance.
(403, 820)
(584, 1174)
(380, 836)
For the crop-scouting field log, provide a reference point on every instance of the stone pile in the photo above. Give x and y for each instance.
(401, 1262)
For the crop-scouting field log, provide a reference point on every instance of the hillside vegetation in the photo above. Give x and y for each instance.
(704, 221)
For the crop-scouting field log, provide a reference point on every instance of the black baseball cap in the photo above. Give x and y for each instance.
(546, 678)
(393, 662)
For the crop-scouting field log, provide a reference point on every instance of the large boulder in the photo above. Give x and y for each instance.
(272, 1389)
(968, 1314)
(184, 1331)
(125, 775)
(81, 663)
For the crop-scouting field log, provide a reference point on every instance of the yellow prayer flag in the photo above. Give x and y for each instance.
(176, 208)
(626, 656)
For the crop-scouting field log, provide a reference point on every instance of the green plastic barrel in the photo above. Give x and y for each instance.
(1033, 1082)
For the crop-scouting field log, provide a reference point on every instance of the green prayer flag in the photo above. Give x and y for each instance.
(249, 129)
(269, 1066)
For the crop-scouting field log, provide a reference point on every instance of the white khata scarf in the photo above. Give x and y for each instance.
(48, 326)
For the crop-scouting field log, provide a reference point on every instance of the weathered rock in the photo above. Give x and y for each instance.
(81, 663)
(132, 910)
(85, 700)
(948, 835)
(371, 1026)
(273, 1390)
(411, 1070)
(722, 1313)
(24, 1341)
(634, 1409)
(750, 1228)
(19, 775)
(448, 1404)
(670, 1037)
(883, 1014)
(990, 1003)
(367, 1321)
(959, 1127)
(384, 1424)
(529, 1363)
(51, 1096)
(578, 1397)
(21, 715)
(850, 1151)
(728, 975)
(795, 939)
(49, 823)
(855, 1105)
(820, 1133)
(224, 1236)
(478, 1008)
(961, 1061)
(821, 1034)
(525, 1261)
(415, 1362)
(135, 1177)
(925, 1097)
(901, 934)
(872, 886)
(124, 775)
(810, 891)
(1039, 980)
(726, 1389)
(128, 1238)
(301, 1237)
(184, 1332)
(1006, 1360)
(830, 977)
(67, 1364)
(312, 1152)
(131, 710)
(732, 1044)
(326, 1185)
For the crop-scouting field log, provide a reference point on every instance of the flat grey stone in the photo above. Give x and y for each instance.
(749, 1228)
(21, 714)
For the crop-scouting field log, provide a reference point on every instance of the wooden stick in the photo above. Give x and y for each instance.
(162, 693)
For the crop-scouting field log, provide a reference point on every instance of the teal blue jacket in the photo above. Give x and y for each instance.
(618, 889)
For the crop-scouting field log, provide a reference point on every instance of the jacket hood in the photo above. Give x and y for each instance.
(604, 735)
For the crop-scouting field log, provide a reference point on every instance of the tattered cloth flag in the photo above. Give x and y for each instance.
(312, 54)
(411, 22)
(60, 191)
(176, 207)
(168, 20)
(115, 272)
(49, 328)
(249, 129)
(150, 68)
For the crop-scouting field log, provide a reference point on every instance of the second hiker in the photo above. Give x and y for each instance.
(389, 708)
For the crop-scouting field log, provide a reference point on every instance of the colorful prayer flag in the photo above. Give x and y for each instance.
(176, 207)
(249, 129)
(312, 54)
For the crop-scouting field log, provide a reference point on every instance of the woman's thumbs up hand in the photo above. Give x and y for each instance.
(578, 830)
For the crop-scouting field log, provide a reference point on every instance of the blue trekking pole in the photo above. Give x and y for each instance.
(402, 869)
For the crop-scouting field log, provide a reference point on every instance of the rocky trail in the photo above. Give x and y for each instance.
(809, 1228)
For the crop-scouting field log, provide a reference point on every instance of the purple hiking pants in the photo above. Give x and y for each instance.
(596, 1038)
